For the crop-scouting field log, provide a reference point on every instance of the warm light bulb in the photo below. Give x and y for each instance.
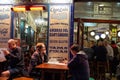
(92, 33)
(119, 34)
(97, 37)
(103, 36)
(107, 33)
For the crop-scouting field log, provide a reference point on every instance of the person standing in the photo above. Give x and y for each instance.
(110, 56)
(115, 60)
(15, 60)
(78, 65)
(93, 46)
(101, 52)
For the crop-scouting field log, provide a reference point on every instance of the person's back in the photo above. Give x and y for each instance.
(93, 46)
(79, 68)
(101, 52)
(90, 53)
(78, 65)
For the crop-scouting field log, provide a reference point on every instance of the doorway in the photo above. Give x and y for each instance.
(84, 27)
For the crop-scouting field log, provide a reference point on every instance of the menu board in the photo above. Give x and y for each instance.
(59, 32)
(5, 20)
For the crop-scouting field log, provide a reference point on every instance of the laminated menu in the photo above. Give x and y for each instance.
(2, 56)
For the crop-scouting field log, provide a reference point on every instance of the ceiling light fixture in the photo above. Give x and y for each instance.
(97, 37)
(103, 36)
(101, 5)
(92, 33)
(107, 32)
(118, 34)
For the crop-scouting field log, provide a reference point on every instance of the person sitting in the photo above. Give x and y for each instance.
(78, 65)
(15, 60)
(38, 57)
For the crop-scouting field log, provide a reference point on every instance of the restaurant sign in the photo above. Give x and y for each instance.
(59, 32)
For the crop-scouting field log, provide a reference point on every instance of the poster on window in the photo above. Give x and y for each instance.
(59, 32)
(5, 22)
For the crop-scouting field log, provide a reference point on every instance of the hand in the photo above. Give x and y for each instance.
(43, 52)
(5, 73)
(6, 52)
(65, 61)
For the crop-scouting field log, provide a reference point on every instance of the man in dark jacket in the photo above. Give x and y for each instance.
(78, 65)
(15, 60)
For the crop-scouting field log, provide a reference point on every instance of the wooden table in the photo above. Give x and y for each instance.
(3, 78)
(23, 78)
(53, 68)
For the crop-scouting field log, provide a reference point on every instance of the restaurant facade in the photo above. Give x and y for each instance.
(33, 21)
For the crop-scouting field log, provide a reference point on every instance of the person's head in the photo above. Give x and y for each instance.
(11, 44)
(100, 43)
(113, 42)
(92, 43)
(41, 47)
(75, 48)
(105, 42)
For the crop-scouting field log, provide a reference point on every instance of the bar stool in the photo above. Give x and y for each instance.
(101, 70)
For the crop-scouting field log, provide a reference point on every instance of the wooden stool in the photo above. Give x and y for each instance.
(3, 78)
(23, 78)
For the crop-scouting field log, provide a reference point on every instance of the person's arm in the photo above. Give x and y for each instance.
(10, 55)
(72, 63)
(34, 59)
(45, 58)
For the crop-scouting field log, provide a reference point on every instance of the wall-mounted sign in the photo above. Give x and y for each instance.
(5, 20)
(59, 31)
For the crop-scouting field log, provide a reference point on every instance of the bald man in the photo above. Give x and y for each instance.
(15, 60)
